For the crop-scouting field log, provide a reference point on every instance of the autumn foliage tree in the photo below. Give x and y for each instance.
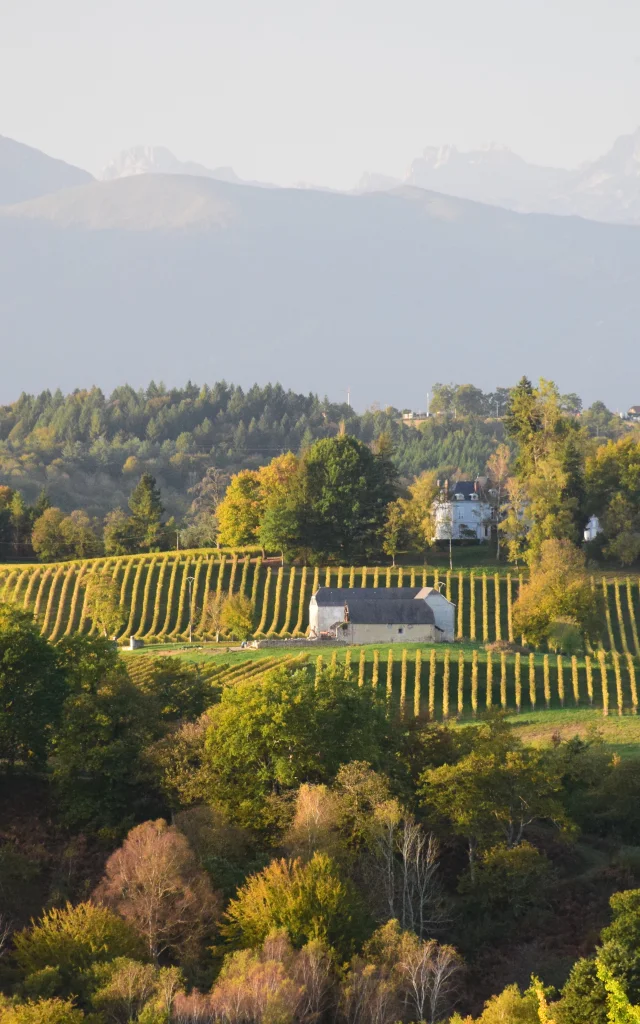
(558, 590)
(155, 884)
(308, 900)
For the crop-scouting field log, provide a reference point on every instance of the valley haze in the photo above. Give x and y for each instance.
(182, 276)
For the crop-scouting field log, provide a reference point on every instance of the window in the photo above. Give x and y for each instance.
(401, 630)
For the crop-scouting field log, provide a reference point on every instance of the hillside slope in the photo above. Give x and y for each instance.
(26, 173)
(191, 277)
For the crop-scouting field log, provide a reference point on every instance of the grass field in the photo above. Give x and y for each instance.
(154, 590)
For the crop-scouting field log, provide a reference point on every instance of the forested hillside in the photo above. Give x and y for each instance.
(88, 449)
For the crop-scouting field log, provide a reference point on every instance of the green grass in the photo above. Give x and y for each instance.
(621, 733)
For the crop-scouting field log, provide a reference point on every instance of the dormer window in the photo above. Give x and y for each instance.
(459, 497)
(474, 497)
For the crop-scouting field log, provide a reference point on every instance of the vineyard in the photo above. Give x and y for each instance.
(446, 682)
(162, 592)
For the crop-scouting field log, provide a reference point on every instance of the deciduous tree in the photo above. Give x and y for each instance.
(308, 900)
(33, 687)
(153, 881)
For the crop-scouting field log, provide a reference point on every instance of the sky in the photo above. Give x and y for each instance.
(295, 91)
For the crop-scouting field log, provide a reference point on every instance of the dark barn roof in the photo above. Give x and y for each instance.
(389, 612)
(342, 595)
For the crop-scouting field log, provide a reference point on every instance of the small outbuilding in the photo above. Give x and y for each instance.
(372, 615)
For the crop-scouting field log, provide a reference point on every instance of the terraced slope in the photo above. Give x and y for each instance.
(161, 592)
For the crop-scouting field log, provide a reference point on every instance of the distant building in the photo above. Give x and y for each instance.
(634, 413)
(414, 419)
(463, 511)
(370, 615)
(592, 529)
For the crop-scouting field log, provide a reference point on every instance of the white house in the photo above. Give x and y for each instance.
(462, 511)
(592, 529)
(368, 615)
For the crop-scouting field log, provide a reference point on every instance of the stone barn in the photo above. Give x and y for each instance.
(371, 615)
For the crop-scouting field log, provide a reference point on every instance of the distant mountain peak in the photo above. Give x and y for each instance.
(606, 189)
(160, 160)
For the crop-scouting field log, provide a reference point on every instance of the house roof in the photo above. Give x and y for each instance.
(341, 595)
(389, 612)
(634, 410)
(466, 487)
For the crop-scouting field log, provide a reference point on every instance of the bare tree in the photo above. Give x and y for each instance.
(313, 971)
(429, 971)
(369, 995)
(195, 1008)
(214, 613)
(154, 882)
(129, 986)
(6, 928)
(404, 870)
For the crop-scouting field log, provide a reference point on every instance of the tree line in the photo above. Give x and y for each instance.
(88, 449)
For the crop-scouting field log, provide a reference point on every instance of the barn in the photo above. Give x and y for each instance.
(370, 615)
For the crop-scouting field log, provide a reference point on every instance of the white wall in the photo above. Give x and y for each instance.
(398, 633)
(465, 519)
(444, 613)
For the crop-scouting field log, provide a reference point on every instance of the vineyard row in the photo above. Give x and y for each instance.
(446, 683)
(154, 590)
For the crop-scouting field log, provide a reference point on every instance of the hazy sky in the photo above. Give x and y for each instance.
(292, 90)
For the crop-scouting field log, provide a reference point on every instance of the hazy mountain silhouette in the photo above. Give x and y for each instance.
(605, 189)
(175, 277)
(26, 173)
(159, 160)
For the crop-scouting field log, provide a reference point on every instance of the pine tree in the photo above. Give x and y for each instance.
(146, 512)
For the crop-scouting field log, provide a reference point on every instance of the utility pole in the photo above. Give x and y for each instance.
(177, 540)
(427, 405)
(190, 581)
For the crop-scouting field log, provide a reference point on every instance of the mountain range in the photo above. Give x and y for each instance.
(179, 276)
(606, 189)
